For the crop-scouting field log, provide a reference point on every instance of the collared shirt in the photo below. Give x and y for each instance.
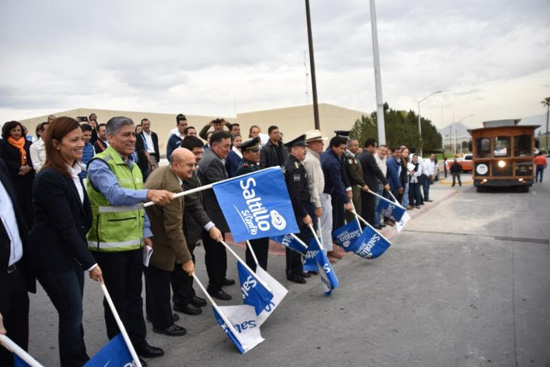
(149, 140)
(38, 154)
(7, 215)
(106, 182)
(75, 172)
(428, 167)
(382, 164)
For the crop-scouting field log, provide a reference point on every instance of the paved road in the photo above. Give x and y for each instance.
(465, 284)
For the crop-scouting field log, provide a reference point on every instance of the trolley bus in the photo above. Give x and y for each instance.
(503, 155)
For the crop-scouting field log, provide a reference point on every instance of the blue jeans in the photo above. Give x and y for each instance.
(426, 187)
(65, 291)
(377, 217)
(405, 199)
(539, 174)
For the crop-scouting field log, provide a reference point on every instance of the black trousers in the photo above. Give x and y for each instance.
(368, 203)
(14, 306)
(157, 290)
(215, 259)
(122, 273)
(294, 260)
(182, 284)
(261, 250)
(338, 212)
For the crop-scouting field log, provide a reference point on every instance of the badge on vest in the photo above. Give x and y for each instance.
(296, 177)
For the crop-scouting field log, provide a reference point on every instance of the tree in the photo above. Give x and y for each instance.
(401, 128)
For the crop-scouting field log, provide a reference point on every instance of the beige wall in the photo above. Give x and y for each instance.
(291, 121)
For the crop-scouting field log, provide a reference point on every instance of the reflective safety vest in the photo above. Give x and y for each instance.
(116, 228)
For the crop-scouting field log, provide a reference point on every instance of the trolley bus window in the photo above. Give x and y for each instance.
(483, 148)
(501, 146)
(522, 146)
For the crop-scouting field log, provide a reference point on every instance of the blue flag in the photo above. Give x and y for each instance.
(18, 362)
(328, 277)
(310, 260)
(243, 329)
(254, 293)
(370, 245)
(114, 354)
(257, 205)
(390, 210)
(346, 235)
(290, 242)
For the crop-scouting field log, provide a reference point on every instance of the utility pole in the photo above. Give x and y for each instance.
(312, 65)
(380, 124)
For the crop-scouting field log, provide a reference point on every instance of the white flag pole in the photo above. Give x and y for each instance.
(209, 186)
(381, 197)
(299, 240)
(222, 315)
(14, 348)
(316, 238)
(121, 325)
(246, 267)
(356, 216)
(371, 227)
(249, 245)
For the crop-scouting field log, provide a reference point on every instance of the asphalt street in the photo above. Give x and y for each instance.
(465, 284)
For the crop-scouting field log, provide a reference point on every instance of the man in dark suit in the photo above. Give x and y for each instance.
(101, 142)
(371, 175)
(211, 170)
(152, 141)
(16, 276)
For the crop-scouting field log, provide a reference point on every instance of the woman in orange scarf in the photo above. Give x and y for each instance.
(15, 151)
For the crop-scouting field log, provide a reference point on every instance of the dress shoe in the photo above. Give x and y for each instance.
(310, 273)
(188, 309)
(197, 301)
(176, 317)
(305, 275)
(331, 260)
(382, 225)
(148, 351)
(297, 279)
(378, 227)
(417, 207)
(334, 255)
(389, 222)
(143, 363)
(220, 294)
(228, 282)
(410, 207)
(173, 330)
(428, 200)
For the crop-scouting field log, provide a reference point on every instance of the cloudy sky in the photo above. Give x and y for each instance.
(491, 58)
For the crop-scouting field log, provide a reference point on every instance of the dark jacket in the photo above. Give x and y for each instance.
(173, 142)
(232, 163)
(195, 215)
(26, 261)
(269, 156)
(332, 170)
(211, 170)
(393, 173)
(298, 190)
(371, 171)
(58, 237)
(456, 168)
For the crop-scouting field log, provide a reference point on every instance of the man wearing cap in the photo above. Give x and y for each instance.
(251, 156)
(331, 161)
(175, 139)
(273, 152)
(297, 185)
(216, 124)
(320, 203)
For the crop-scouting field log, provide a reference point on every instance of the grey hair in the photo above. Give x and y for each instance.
(116, 123)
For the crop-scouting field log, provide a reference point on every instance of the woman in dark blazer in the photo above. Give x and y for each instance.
(58, 238)
(15, 150)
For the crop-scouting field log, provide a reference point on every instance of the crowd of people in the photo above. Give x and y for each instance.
(70, 204)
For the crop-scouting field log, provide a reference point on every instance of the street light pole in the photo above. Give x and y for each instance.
(419, 125)
(380, 123)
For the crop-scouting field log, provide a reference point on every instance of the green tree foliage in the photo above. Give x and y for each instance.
(401, 128)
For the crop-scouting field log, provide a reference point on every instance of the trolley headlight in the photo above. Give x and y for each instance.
(482, 169)
(501, 164)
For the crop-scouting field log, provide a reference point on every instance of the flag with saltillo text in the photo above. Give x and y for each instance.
(256, 205)
(346, 235)
(288, 240)
(371, 244)
(389, 209)
(279, 292)
(114, 354)
(253, 291)
(240, 325)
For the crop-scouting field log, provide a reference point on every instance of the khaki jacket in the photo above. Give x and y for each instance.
(169, 242)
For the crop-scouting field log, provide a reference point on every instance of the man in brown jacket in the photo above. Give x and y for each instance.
(170, 244)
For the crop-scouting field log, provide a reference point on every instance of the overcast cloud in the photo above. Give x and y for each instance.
(490, 58)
